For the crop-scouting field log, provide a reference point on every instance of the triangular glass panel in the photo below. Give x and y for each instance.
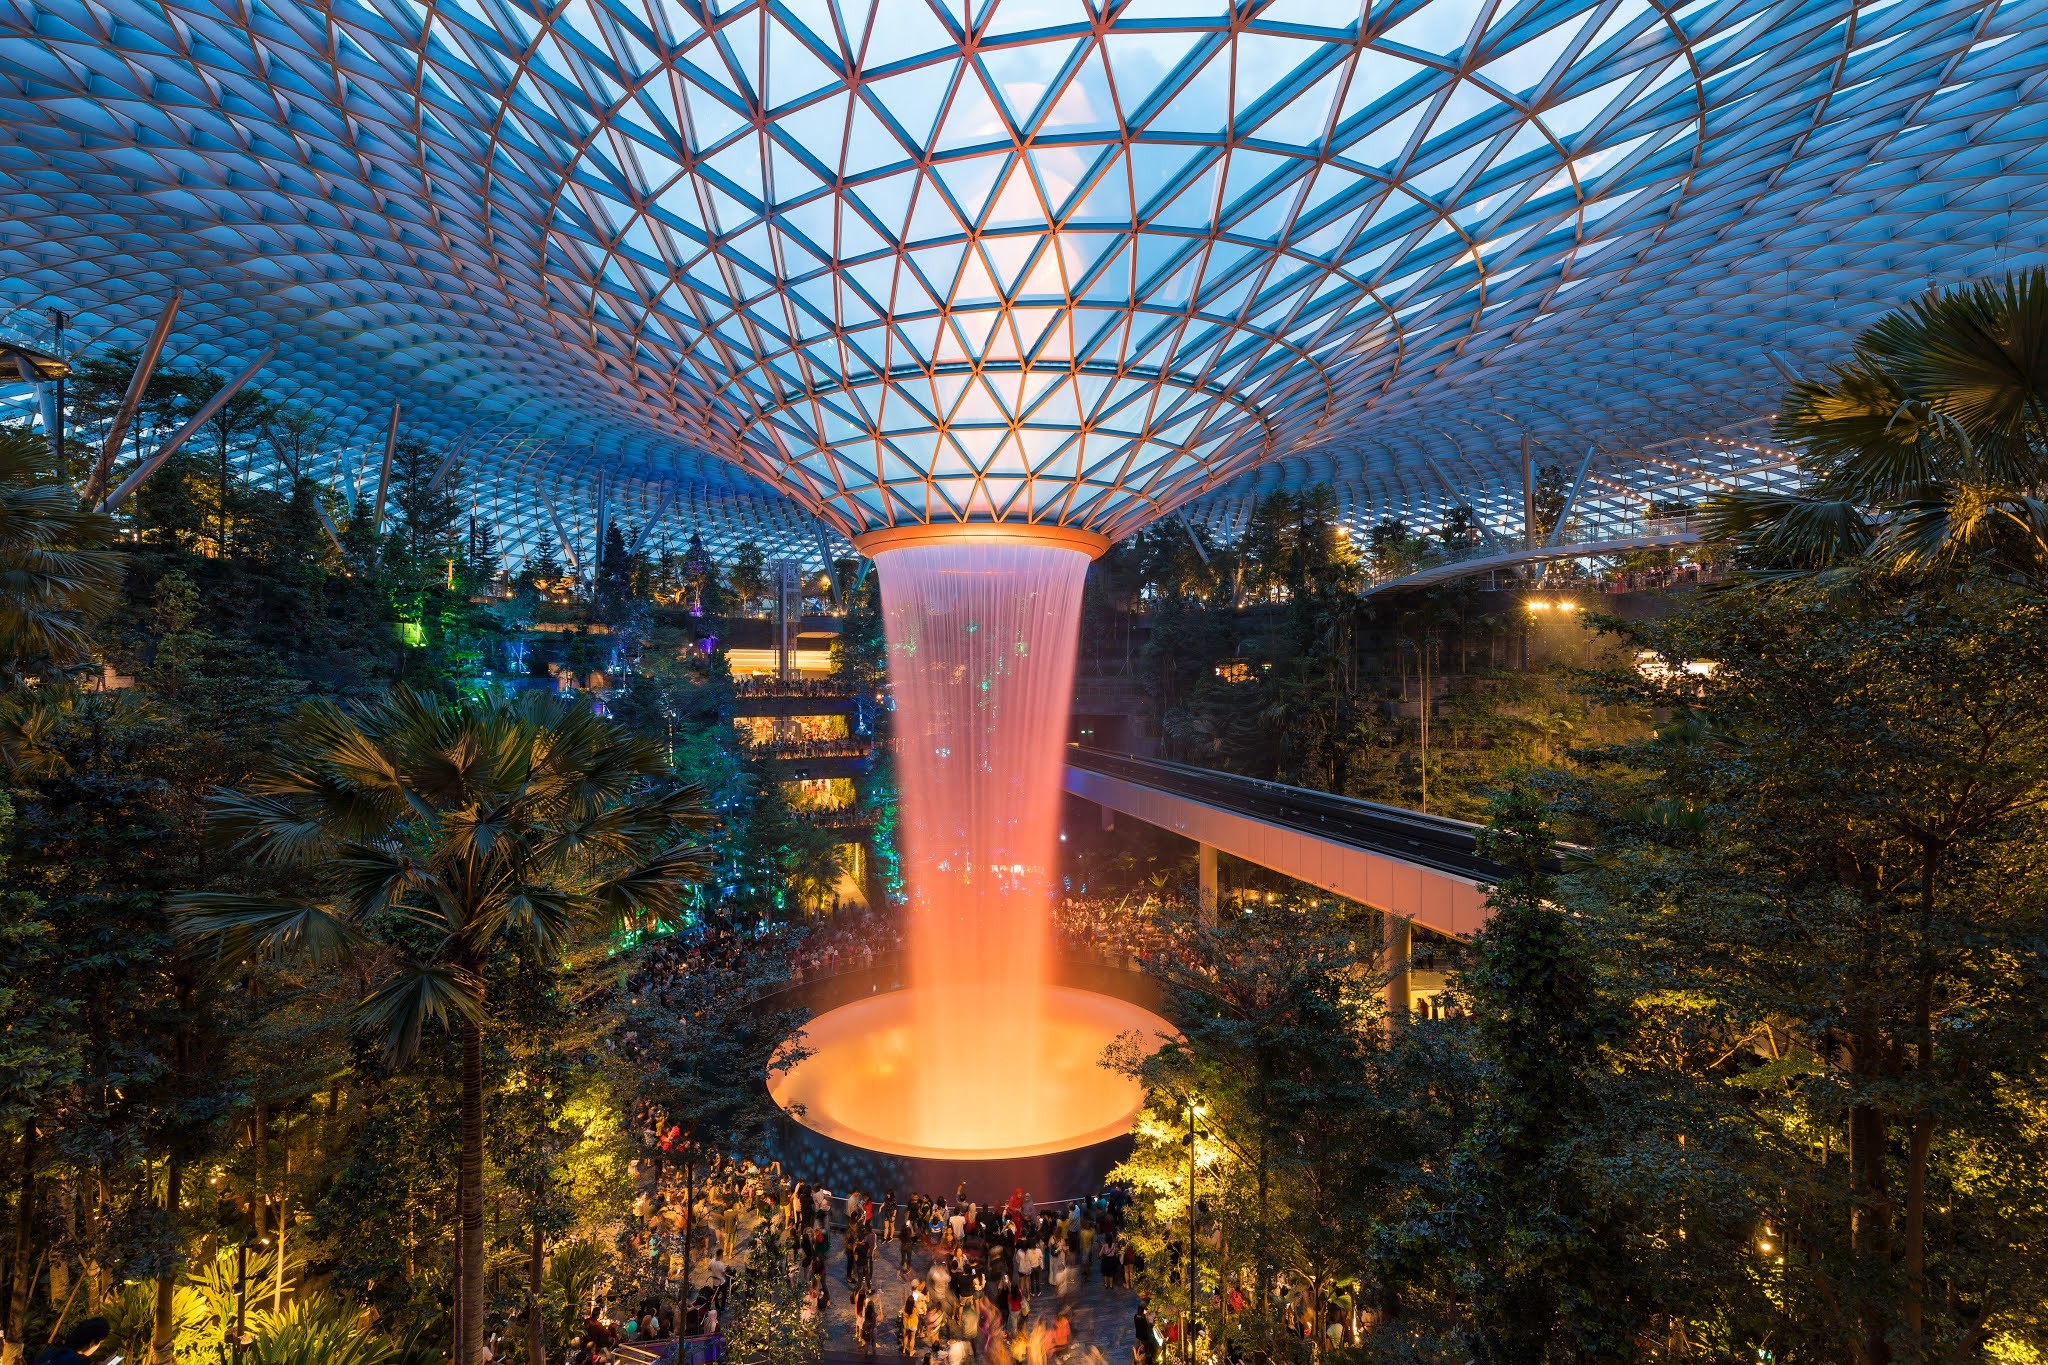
(1266, 65)
(933, 217)
(1017, 204)
(1203, 103)
(947, 390)
(972, 120)
(869, 144)
(1520, 68)
(902, 29)
(975, 327)
(1020, 75)
(1441, 30)
(1193, 209)
(793, 178)
(1384, 145)
(712, 117)
(1302, 121)
(741, 43)
(1086, 105)
(1033, 325)
(1009, 256)
(794, 70)
(857, 236)
(1108, 199)
(1003, 492)
(980, 404)
(1080, 252)
(913, 98)
(815, 19)
(970, 182)
(938, 264)
(1249, 171)
(1141, 62)
(1045, 279)
(975, 284)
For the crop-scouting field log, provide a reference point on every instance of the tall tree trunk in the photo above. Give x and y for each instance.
(536, 1328)
(163, 1335)
(259, 1149)
(222, 539)
(469, 1298)
(21, 1263)
(1870, 1219)
(1920, 1132)
(284, 1219)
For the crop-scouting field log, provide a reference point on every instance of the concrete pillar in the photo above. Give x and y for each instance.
(1397, 935)
(1108, 816)
(1208, 889)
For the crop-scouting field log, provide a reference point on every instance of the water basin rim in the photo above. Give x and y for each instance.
(785, 1087)
(884, 539)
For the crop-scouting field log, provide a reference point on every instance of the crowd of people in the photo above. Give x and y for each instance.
(839, 746)
(850, 941)
(944, 1280)
(948, 1280)
(1125, 928)
(793, 687)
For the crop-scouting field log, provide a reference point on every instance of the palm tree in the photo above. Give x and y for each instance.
(1926, 450)
(59, 568)
(440, 838)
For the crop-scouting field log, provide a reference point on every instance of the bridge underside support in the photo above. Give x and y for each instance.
(1208, 887)
(1440, 901)
(1397, 939)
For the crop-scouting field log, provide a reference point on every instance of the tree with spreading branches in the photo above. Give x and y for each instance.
(443, 842)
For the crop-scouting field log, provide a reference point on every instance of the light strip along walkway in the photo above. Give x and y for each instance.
(1417, 867)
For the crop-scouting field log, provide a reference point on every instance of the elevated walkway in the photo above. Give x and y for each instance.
(1540, 554)
(1422, 868)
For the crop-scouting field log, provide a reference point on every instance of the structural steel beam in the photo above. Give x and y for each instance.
(319, 509)
(1528, 492)
(831, 570)
(138, 384)
(135, 479)
(384, 472)
(561, 534)
(661, 509)
(1571, 499)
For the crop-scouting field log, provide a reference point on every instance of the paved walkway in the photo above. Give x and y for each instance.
(1101, 1315)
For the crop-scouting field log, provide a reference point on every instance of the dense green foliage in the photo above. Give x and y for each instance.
(1262, 656)
(159, 1107)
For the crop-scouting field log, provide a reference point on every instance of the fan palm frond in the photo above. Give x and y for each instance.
(653, 887)
(242, 929)
(1926, 452)
(1787, 528)
(418, 995)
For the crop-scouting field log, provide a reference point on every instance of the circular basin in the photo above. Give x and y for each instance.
(888, 1074)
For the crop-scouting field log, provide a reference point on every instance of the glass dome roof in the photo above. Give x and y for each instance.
(1046, 260)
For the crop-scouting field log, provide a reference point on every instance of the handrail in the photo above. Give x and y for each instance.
(1438, 842)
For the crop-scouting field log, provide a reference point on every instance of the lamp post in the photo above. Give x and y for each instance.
(1187, 1329)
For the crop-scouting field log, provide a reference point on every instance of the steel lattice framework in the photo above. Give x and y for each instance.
(1068, 261)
